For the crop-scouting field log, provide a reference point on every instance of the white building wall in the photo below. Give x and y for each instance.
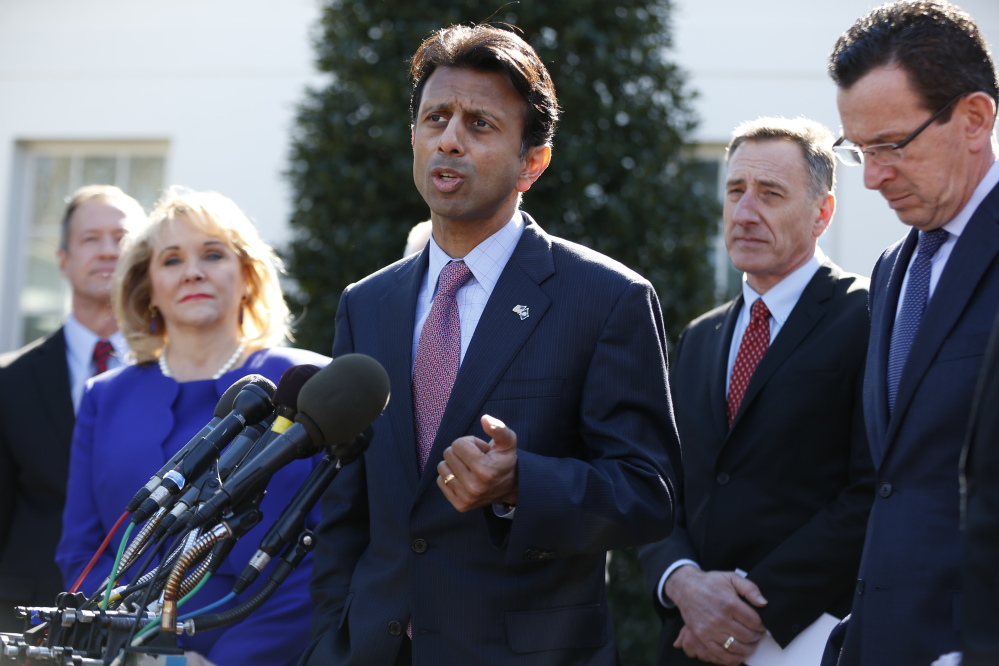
(768, 58)
(219, 81)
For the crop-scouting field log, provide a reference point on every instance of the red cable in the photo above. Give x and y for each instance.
(97, 555)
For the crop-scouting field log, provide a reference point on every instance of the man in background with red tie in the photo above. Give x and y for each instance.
(777, 477)
(529, 429)
(42, 385)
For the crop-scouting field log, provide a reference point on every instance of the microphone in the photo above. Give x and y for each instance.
(334, 407)
(252, 403)
(292, 520)
(208, 483)
(285, 409)
(288, 390)
(252, 438)
(221, 409)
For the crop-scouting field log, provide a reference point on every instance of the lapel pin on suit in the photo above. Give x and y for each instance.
(523, 311)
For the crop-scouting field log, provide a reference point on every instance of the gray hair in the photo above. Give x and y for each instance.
(813, 137)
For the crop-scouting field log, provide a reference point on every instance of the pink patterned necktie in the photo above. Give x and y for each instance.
(755, 342)
(102, 353)
(438, 355)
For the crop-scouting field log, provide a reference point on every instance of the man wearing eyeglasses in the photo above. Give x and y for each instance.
(917, 99)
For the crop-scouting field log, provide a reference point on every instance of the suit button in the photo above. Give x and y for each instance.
(884, 490)
(860, 586)
(420, 546)
(395, 628)
(722, 479)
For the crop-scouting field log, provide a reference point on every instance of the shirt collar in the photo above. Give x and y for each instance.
(783, 296)
(486, 260)
(987, 184)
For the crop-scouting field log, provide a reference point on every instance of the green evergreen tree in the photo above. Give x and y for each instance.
(618, 181)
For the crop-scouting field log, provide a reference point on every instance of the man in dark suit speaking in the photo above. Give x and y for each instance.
(777, 479)
(917, 99)
(475, 527)
(42, 385)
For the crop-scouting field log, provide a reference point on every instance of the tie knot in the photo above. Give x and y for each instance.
(930, 242)
(102, 352)
(453, 275)
(759, 311)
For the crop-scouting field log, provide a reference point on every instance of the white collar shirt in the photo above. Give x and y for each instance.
(780, 300)
(954, 228)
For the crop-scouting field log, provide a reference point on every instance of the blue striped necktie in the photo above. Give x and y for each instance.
(907, 322)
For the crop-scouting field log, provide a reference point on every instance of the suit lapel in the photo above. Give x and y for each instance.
(974, 253)
(883, 308)
(397, 317)
(807, 312)
(498, 337)
(719, 373)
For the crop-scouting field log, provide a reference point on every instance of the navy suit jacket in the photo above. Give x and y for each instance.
(907, 605)
(784, 493)
(36, 425)
(980, 492)
(124, 419)
(582, 381)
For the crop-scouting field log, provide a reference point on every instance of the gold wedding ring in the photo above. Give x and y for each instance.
(449, 477)
(728, 643)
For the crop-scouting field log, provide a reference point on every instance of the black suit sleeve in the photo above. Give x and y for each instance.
(656, 557)
(980, 568)
(8, 486)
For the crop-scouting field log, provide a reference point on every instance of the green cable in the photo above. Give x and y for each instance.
(114, 569)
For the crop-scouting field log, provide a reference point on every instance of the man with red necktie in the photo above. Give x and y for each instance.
(43, 384)
(777, 477)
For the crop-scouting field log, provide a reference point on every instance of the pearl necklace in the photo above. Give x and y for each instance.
(165, 369)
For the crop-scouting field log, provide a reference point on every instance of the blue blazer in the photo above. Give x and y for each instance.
(979, 573)
(582, 381)
(907, 604)
(124, 418)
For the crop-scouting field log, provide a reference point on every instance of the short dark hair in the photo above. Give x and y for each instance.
(814, 139)
(487, 48)
(936, 44)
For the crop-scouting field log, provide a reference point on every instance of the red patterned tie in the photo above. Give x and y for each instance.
(102, 352)
(438, 355)
(754, 345)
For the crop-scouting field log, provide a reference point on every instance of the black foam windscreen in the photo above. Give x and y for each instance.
(290, 385)
(344, 398)
(224, 405)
